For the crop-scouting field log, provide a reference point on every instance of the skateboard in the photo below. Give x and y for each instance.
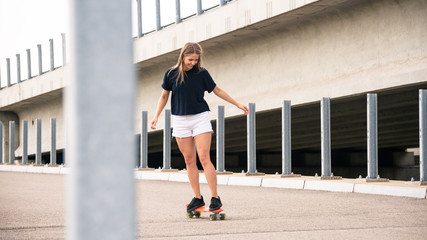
(215, 215)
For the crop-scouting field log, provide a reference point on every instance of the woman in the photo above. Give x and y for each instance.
(191, 123)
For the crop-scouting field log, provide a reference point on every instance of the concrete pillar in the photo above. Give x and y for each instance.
(53, 141)
(251, 138)
(144, 140)
(12, 142)
(199, 7)
(100, 115)
(52, 58)
(18, 68)
(372, 128)
(286, 138)
(139, 10)
(24, 142)
(178, 11)
(29, 63)
(167, 141)
(325, 119)
(38, 141)
(158, 22)
(286, 141)
(372, 134)
(64, 49)
(326, 136)
(220, 141)
(39, 50)
(9, 81)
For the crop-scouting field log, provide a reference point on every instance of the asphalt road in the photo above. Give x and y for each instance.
(32, 206)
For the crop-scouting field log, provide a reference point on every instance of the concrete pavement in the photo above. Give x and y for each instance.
(33, 207)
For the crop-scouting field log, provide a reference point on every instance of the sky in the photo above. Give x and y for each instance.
(26, 23)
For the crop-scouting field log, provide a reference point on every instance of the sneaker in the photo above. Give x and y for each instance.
(195, 203)
(215, 204)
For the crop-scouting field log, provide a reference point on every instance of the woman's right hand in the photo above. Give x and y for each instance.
(153, 123)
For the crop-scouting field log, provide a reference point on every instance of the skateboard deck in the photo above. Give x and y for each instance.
(215, 215)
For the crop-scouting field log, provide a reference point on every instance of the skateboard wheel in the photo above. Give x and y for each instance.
(190, 214)
(212, 217)
(222, 216)
(198, 214)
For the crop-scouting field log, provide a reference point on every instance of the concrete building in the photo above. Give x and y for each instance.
(267, 51)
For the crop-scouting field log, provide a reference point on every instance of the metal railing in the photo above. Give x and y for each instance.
(40, 60)
(178, 19)
(326, 168)
(19, 78)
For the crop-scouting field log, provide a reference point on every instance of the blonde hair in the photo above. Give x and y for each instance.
(188, 49)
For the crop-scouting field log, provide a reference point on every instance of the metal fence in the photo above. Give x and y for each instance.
(18, 69)
(29, 64)
(326, 168)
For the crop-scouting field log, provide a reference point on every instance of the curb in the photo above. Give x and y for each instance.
(268, 181)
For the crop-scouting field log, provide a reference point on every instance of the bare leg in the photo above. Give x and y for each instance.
(203, 145)
(186, 146)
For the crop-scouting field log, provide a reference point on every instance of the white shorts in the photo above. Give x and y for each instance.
(191, 125)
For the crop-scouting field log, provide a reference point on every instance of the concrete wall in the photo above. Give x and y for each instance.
(343, 50)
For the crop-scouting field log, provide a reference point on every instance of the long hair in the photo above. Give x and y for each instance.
(188, 49)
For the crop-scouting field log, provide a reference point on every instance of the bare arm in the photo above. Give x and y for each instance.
(224, 95)
(160, 105)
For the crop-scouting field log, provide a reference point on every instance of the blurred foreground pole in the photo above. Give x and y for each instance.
(100, 114)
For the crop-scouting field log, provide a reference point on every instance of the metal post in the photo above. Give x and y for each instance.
(325, 137)
(222, 2)
(29, 63)
(24, 142)
(372, 136)
(251, 125)
(144, 141)
(101, 145)
(52, 64)
(423, 134)
(220, 145)
(53, 141)
(9, 83)
(167, 140)
(199, 7)
(38, 141)
(18, 68)
(158, 23)
(286, 138)
(178, 11)
(139, 10)
(1, 143)
(39, 48)
(11, 142)
(64, 49)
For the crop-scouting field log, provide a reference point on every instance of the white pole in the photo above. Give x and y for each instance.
(100, 114)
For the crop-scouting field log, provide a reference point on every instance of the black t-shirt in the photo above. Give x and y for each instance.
(187, 97)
